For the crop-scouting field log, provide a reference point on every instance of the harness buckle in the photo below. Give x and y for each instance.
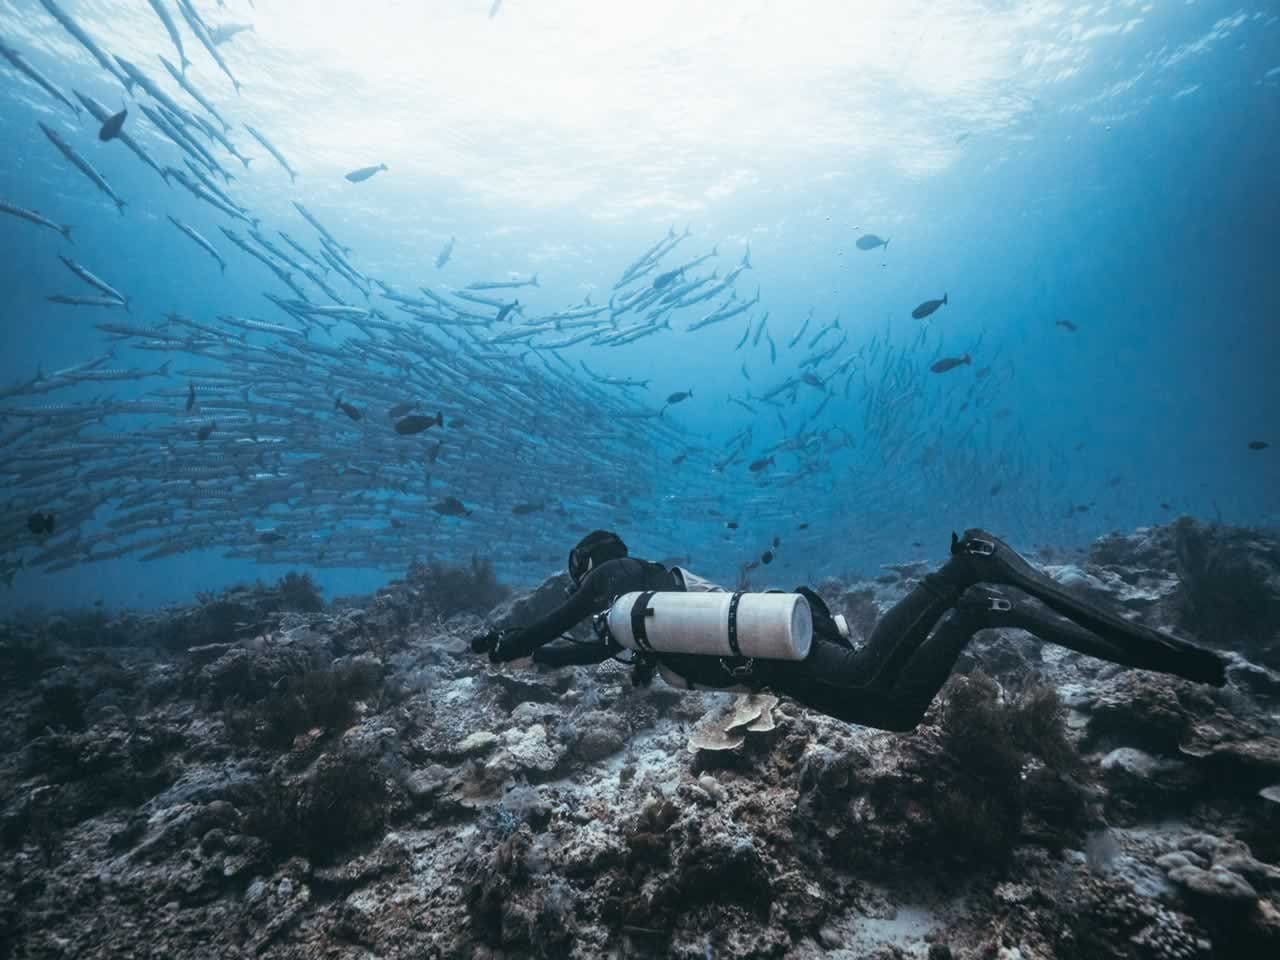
(981, 548)
(738, 671)
(1000, 605)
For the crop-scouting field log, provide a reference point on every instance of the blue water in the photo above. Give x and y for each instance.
(1114, 165)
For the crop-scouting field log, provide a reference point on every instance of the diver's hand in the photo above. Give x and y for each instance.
(485, 643)
(501, 645)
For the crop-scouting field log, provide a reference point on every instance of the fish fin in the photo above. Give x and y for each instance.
(163, 369)
(746, 258)
(120, 207)
(65, 230)
(944, 299)
(885, 244)
(534, 282)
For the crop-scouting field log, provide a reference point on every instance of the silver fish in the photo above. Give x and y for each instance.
(85, 301)
(200, 241)
(36, 77)
(183, 81)
(443, 257)
(176, 38)
(33, 217)
(202, 34)
(293, 176)
(102, 286)
(87, 42)
(83, 166)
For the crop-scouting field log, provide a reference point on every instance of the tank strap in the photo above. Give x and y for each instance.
(639, 610)
(733, 624)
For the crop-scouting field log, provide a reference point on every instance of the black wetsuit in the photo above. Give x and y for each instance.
(891, 679)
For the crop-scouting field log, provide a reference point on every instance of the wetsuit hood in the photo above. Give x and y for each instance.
(597, 547)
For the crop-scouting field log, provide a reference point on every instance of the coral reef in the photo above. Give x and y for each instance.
(259, 774)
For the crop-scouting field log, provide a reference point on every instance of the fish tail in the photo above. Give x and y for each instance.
(126, 305)
(968, 359)
(886, 244)
(944, 299)
(440, 418)
(65, 230)
(120, 207)
(534, 282)
(185, 62)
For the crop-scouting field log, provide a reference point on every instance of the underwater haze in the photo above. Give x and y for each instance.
(661, 267)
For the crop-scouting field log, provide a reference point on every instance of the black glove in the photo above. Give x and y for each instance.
(485, 642)
(501, 645)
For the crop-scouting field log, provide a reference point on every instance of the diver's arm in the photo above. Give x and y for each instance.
(597, 591)
(574, 654)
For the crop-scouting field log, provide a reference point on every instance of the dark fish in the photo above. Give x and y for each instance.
(417, 423)
(111, 129)
(812, 380)
(396, 523)
(950, 363)
(869, 241)
(435, 453)
(982, 373)
(1258, 444)
(777, 542)
(457, 423)
(1067, 324)
(666, 279)
(758, 465)
(766, 557)
(916, 543)
(451, 507)
(271, 536)
(732, 524)
(678, 397)
(206, 431)
(1165, 506)
(1115, 481)
(352, 412)
(803, 526)
(364, 173)
(679, 460)
(523, 509)
(41, 524)
(928, 307)
(400, 409)
(996, 488)
(506, 309)
(1083, 508)
(191, 396)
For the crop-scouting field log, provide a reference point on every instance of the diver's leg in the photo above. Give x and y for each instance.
(1013, 608)
(982, 558)
(897, 697)
(895, 638)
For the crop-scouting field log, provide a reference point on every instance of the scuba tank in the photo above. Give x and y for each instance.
(772, 626)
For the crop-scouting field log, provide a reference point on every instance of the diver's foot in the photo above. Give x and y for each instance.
(980, 557)
(981, 607)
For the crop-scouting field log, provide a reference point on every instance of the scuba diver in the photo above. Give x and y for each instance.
(888, 682)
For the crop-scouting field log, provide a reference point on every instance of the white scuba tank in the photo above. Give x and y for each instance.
(772, 626)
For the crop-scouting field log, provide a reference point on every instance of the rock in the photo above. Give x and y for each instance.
(1141, 785)
(1148, 710)
(482, 741)
(1216, 884)
(601, 735)
(830, 937)
(1230, 589)
(526, 749)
